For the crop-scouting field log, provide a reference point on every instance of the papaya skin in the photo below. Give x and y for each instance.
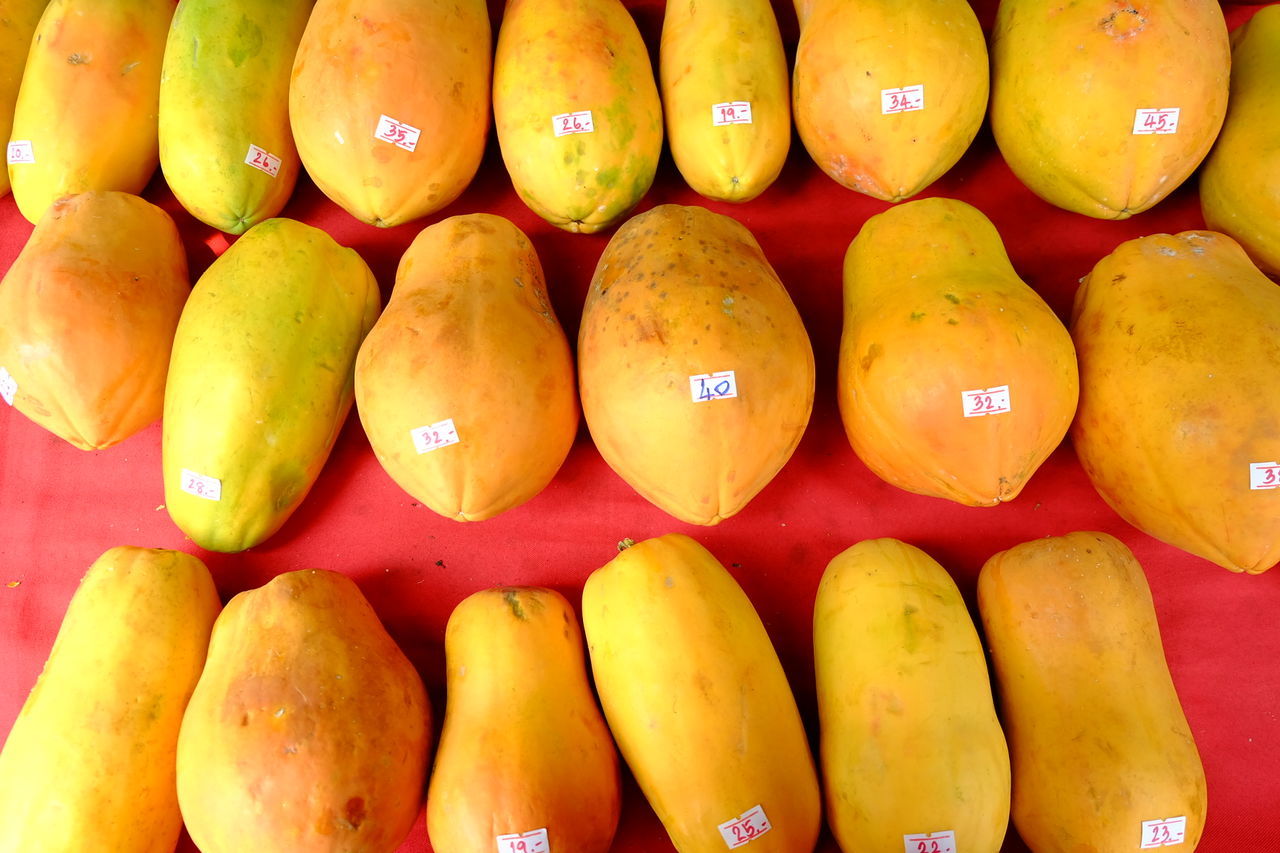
(17, 27)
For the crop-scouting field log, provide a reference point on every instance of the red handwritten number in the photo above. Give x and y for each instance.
(1156, 121)
(1161, 835)
(983, 402)
(521, 847)
(726, 114)
(1268, 480)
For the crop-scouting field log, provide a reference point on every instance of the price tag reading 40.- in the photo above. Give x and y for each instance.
(930, 842)
(731, 112)
(209, 488)
(567, 123)
(713, 386)
(1163, 833)
(398, 133)
(1264, 475)
(534, 841)
(905, 100)
(986, 401)
(744, 828)
(262, 160)
(434, 436)
(1156, 121)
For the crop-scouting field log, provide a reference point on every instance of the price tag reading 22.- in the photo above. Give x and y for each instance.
(731, 112)
(713, 386)
(905, 100)
(567, 123)
(930, 842)
(1156, 121)
(986, 401)
(746, 827)
(534, 841)
(1163, 833)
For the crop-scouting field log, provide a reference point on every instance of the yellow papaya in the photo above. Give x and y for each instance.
(955, 380)
(888, 95)
(226, 148)
(1103, 758)
(726, 96)
(90, 761)
(698, 702)
(577, 111)
(1104, 107)
(90, 306)
(85, 118)
(389, 103)
(260, 381)
(524, 755)
(309, 729)
(1180, 394)
(893, 645)
(17, 27)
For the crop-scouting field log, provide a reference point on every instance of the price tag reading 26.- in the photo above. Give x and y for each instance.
(986, 401)
(1163, 833)
(534, 841)
(713, 386)
(746, 827)
(1264, 475)
(905, 100)
(731, 112)
(21, 152)
(398, 133)
(567, 123)
(930, 842)
(209, 488)
(262, 160)
(1156, 121)
(434, 436)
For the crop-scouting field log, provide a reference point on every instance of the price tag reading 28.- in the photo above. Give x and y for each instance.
(398, 133)
(262, 160)
(986, 401)
(713, 386)
(1163, 833)
(746, 827)
(905, 100)
(1156, 121)
(534, 841)
(1264, 475)
(731, 112)
(930, 842)
(434, 436)
(567, 123)
(209, 488)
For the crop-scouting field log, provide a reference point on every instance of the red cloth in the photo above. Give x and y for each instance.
(62, 507)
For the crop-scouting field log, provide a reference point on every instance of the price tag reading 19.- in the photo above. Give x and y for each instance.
(744, 828)
(1156, 121)
(434, 436)
(731, 112)
(534, 841)
(1264, 475)
(397, 133)
(713, 386)
(930, 842)
(8, 386)
(567, 123)
(209, 488)
(905, 100)
(21, 152)
(986, 401)
(1163, 833)
(262, 160)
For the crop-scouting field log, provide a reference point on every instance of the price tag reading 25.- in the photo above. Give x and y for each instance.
(1156, 121)
(1163, 833)
(930, 842)
(398, 133)
(567, 123)
(209, 488)
(731, 112)
(905, 100)
(744, 828)
(986, 401)
(534, 841)
(713, 386)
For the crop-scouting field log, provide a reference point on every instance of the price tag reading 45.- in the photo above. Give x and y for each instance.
(567, 123)
(713, 386)
(534, 841)
(1156, 121)
(930, 842)
(748, 826)
(434, 436)
(986, 401)
(905, 100)
(1163, 833)
(209, 488)
(731, 112)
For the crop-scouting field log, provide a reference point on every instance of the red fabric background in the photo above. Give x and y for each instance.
(62, 507)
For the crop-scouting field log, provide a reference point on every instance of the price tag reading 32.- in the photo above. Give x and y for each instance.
(986, 401)
(930, 842)
(209, 488)
(398, 133)
(262, 160)
(21, 152)
(8, 386)
(1264, 475)
(567, 123)
(713, 386)
(905, 100)
(746, 827)
(1163, 833)
(1156, 121)
(731, 112)
(534, 841)
(434, 436)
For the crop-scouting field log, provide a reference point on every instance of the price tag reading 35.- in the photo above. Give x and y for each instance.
(713, 386)
(930, 842)
(1156, 121)
(209, 488)
(8, 386)
(567, 123)
(398, 133)
(1163, 833)
(986, 401)
(262, 160)
(434, 436)
(731, 112)
(746, 827)
(534, 841)
(21, 152)
(1264, 475)
(905, 100)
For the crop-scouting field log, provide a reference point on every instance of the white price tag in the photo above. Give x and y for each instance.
(731, 112)
(397, 133)
(744, 828)
(434, 436)
(8, 386)
(713, 386)
(905, 100)
(1156, 121)
(262, 160)
(930, 842)
(985, 401)
(209, 488)
(567, 123)
(21, 152)
(534, 841)
(1163, 833)
(1264, 475)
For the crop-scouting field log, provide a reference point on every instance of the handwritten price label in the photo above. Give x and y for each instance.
(731, 112)
(744, 828)
(262, 160)
(398, 133)
(534, 841)
(1163, 833)
(930, 842)
(8, 386)
(567, 123)
(1156, 121)
(986, 401)
(434, 436)
(21, 152)
(209, 488)
(905, 100)
(1264, 475)
(713, 386)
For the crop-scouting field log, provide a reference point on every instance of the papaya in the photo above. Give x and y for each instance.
(577, 111)
(524, 754)
(695, 370)
(698, 702)
(1179, 391)
(90, 307)
(725, 93)
(1103, 758)
(1104, 107)
(86, 114)
(955, 379)
(260, 381)
(888, 95)
(90, 761)
(389, 103)
(309, 729)
(1240, 181)
(17, 27)
(469, 301)
(226, 148)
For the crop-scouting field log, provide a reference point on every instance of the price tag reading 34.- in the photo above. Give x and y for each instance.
(434, 436)
(567, 123)
(905, 100)
(262, 160)
(534, 841)
(209, 488)
(986, 401)
(731, 112)
(713, 386)
(8, 386)
(744, 828)
(1264, 475)
(21, 152)
(1163, 833)
(930, 842)
(398, 133)
(1156, 121)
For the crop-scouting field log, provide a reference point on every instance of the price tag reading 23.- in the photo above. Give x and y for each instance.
(567, 123)
(1164, 833)
(713, 386)
(986, 401)
(534, 841)
(930, 842)
(746, 827)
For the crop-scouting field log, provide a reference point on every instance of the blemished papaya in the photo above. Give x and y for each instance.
(261, 380)
(1180, 394)
(309, 729)
(525, 754)
(577, 111)
(17, 27)
(389, 103)
(90, 760)
(469, 301)
(698, 702)
(1103, 758)
(955, 379)
(889, 95)
(90, 307)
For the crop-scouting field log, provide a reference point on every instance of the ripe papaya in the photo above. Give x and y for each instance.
(90, 306)
(698, 702)
(309, 729)
(525, 754)
(17, 27)
(260, 381)
(956, 380)
(577, 111)
(89, 763)
(888, 95)
(469, 301)
(1103, 758)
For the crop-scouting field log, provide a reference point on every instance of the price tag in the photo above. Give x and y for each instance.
(8, 386)
(262, 160)
(1156, 121)
(534, 841)
(1264, 475)
(21, 152)
(434, 436)
(209, 488)
(731, 112)
(905, 100)
(567, 123)
(397, 133)
(748, 826)
(930, 842)
(1163, 833)
(986, 401)
(713, 386)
